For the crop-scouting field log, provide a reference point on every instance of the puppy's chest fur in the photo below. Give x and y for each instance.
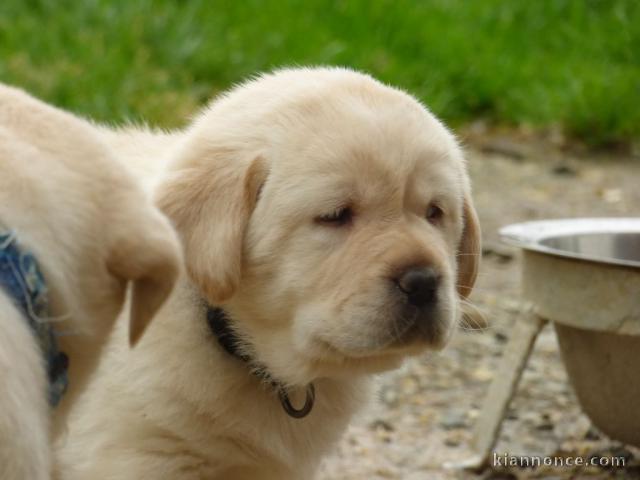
(198, 409)
(293, 446)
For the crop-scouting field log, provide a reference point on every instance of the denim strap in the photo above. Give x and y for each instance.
(23, 281)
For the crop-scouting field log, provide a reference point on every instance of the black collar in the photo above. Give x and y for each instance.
(220, 326)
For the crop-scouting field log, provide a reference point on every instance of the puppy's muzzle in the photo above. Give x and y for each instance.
(419, 317)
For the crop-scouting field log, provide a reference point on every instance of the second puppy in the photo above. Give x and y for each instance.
(75, 228)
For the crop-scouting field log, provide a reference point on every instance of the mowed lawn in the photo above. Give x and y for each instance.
(545, 62)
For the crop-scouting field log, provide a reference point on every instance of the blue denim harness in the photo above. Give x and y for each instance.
(23, 281)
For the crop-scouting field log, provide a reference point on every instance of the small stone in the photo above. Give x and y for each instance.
(385, 473)
(409, 385)
(453, 420)
(482, 373)
(380, 424)
(611, 195)
(544, 426)
(389, 396)
(383, 436)
(452, 442)
(592, 434)
(500, 337)
(529, 417)
(419, 400)
(425, 418)
(565, 170)
(511, 415)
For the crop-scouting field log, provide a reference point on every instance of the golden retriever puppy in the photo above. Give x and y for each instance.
(74, 229)
(329, 233)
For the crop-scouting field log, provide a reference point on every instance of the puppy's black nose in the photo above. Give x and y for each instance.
(420, 284)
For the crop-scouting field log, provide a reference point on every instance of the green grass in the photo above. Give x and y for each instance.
(542, 62)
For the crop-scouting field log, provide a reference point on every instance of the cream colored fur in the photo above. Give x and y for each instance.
(92, 229)
(247, 186)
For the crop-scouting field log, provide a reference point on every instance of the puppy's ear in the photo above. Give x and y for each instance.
(469, 250)
(148, 254)
(210, 204)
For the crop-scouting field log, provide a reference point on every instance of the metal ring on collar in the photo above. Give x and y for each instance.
(306, 408)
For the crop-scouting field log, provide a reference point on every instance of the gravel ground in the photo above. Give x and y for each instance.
(424, 412)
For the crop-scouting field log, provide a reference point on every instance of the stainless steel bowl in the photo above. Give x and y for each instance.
(615, 241)
(584, 276)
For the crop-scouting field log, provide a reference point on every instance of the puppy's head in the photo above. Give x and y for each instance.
(331, 216)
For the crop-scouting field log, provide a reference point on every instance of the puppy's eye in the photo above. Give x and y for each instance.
(338, 218)
(434, 214)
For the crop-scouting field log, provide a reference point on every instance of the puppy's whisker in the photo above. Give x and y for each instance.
(488, 328)
(396, 333)
(471, 304)
(483, 311)
(483, 289)
(466, 328)
(485, 274)
(58, 319)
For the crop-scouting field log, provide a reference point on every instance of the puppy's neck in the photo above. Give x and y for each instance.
(222, 329)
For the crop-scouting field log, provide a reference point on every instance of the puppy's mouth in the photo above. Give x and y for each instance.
(410, 333)
(429, 328)
(376, 327)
